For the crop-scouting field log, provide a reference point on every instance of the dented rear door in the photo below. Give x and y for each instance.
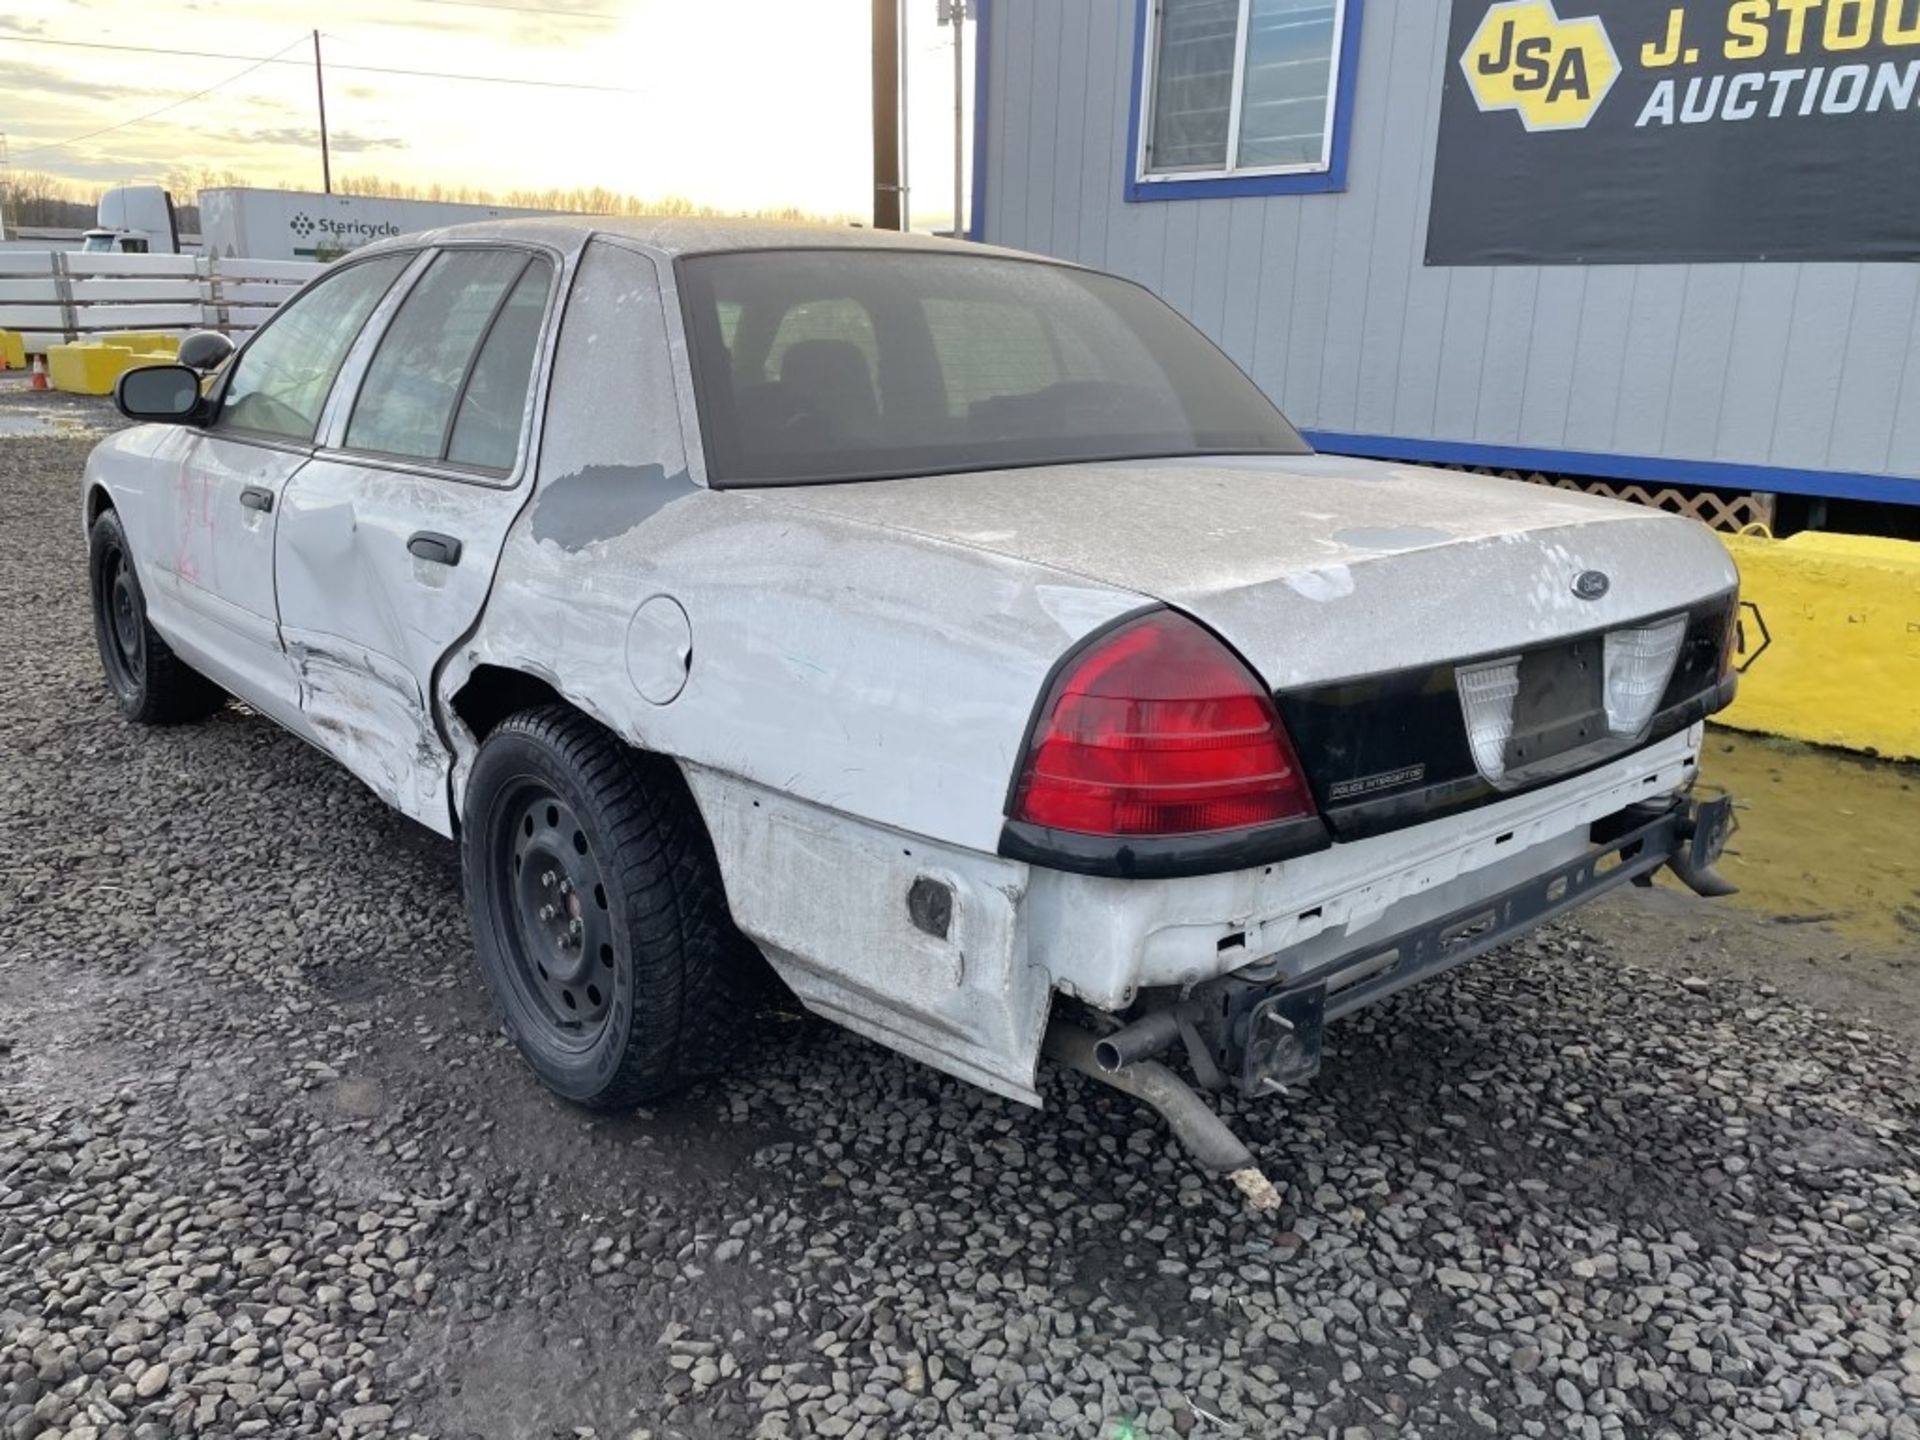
(389, 537)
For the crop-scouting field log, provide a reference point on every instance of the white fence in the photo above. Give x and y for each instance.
(52, 296)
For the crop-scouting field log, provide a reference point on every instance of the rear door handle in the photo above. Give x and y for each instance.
(255, 498)
(440, 549)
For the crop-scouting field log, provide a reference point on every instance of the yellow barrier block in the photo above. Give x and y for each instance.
(1831, 641)
(144, 341)
(13, 349)
(87, 369)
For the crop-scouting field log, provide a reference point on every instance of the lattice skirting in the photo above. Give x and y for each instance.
(1731, 513)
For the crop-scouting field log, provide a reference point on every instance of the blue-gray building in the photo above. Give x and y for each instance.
(1271, 167)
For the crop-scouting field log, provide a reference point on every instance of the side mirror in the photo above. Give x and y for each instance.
(205, 350)
(165, 394)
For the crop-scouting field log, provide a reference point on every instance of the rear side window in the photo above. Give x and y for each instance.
(493, 407)
(281, 381)
(430, 353)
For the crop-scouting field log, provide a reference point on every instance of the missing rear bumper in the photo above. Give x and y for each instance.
(1262, 1035)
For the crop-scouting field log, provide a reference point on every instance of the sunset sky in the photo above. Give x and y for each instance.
(735, 103)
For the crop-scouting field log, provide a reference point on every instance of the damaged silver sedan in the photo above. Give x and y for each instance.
(961, 633)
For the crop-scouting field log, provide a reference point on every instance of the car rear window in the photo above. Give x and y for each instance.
(820, 365)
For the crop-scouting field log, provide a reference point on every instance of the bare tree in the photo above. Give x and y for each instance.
(580, 200)
(33, 197)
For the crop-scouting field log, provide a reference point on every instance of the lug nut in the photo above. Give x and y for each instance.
(547, 912)
(573, 926)
(546, 880)
(566, 887)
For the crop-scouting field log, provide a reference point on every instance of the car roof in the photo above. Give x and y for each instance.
(678, 235)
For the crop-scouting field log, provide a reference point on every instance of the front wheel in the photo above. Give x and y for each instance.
(149, 682)
(599, 919)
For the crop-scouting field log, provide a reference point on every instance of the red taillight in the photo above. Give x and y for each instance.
(1158, 729)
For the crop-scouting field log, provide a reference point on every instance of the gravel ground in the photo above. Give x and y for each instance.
(266, 1167)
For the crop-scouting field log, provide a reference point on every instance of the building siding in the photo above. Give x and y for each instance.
(1327, 300)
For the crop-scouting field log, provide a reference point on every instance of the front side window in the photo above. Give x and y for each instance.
(419, 375)
(817, 365)
(281, 380)
(1241, 87)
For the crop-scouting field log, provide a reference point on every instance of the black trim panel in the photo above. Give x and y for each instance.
(1148, 857)
(1383, 752)
(1162, 857)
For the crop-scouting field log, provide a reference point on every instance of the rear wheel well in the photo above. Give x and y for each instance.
(493, 692)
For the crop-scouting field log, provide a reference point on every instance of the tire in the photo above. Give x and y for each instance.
(599, 918)
(148, 681)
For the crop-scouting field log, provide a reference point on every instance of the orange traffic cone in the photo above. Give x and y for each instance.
(40, 373)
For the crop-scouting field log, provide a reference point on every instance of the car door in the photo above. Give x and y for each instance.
(388, 537)
(215, 563)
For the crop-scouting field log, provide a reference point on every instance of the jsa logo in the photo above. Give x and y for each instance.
(1554, 72)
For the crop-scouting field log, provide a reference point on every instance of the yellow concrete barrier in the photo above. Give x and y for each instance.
(145, 342)
(87, 369)
(13, 349)
(1830, 641)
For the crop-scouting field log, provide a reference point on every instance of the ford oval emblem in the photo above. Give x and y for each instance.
(1591, 584)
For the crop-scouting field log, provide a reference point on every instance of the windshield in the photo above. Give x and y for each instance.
(816, 365)
(96, 244)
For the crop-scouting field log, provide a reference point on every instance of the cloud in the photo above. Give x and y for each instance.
(13, 26)
(306, 137)
(346, 142)
(519, 26)
(21, 75)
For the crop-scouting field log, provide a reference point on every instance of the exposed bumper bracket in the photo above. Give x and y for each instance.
(1266, 1034)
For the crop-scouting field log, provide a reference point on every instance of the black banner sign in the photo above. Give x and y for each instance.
(1644, 131)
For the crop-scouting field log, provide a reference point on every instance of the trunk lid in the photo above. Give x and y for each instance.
(1317, 568)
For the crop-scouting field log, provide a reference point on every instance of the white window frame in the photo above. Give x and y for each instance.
(1150, 93)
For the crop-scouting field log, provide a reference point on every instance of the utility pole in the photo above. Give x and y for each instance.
(320, 90)
(886, 114)
(8, 222)
(956, 13)
(906, 118)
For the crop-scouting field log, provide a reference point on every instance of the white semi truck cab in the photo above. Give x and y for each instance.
(134, 220)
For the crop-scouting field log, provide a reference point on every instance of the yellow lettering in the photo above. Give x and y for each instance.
(1842, 13)
(1896, 29)
(1656, 55)
(1796, 13)
(1747, 29)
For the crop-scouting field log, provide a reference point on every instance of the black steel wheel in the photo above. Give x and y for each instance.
(150, 683)
(553, 919)
(599, 920)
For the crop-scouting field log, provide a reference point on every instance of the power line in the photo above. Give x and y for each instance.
(174, 105)
(361, 69)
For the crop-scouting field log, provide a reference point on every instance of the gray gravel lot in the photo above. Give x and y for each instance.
(267, 1169)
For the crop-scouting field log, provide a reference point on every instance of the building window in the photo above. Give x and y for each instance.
(1242, 96)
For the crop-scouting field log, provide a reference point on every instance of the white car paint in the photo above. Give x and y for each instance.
(1268, 548)
(846, 672)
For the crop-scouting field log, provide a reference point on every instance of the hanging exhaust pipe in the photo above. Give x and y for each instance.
(1204, 1134)
(1142, 1040)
